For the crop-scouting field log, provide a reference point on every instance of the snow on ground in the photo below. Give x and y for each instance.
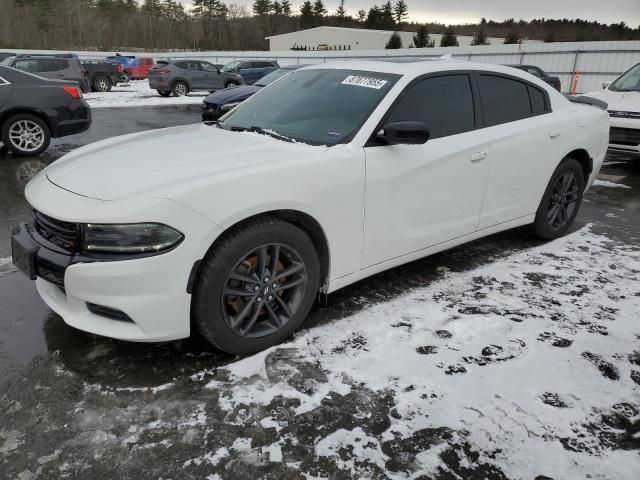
(527, 366)
(606, 183)
(138, 94)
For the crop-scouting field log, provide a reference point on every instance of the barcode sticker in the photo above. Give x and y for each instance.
(364, 82)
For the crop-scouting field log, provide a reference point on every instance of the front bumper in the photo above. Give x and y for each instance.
(624, 135)
(149, 293)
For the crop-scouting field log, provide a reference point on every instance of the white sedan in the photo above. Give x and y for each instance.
(331, 174)
(623, 99)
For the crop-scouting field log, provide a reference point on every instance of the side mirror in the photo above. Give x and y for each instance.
(404, 133)
(605, 85)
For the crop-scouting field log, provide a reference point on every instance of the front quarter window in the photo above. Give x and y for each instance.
(318, 106)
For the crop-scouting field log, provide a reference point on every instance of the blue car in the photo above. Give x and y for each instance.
(220, 102)
(251, 70)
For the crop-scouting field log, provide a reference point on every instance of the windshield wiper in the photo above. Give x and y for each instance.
(261, 131)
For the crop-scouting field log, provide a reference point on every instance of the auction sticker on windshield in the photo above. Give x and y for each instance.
(364, 82)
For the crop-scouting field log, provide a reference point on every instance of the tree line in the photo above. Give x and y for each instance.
(215, 25)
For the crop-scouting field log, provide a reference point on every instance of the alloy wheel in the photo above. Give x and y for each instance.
(180, 89)
(264, 290)
(563, 200)
(103, 85)
(26, 135)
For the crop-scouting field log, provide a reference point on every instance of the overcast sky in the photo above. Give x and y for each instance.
(462, 11)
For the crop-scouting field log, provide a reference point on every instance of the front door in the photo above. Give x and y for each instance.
(418, 196)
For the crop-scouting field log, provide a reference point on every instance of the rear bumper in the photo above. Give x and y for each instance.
(159, 84)
(73, 119)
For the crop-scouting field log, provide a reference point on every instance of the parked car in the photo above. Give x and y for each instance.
(623, 98)
(538, 72)
(220, 102)
(4, 55)
(327, 176)
(55, 67)
(179, 77)
(134, 68)
(34, 109)
(102, 76)
(250, 70)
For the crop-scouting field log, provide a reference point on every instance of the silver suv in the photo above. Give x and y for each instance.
(179, 77)
(53, 67)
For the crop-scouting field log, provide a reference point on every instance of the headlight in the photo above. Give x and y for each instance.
(128, 238)
(228, 106)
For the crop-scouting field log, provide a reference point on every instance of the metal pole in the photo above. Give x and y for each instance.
(573, 70)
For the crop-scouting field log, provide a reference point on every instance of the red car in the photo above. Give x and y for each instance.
(134, 67)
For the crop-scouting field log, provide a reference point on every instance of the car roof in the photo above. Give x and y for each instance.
(415, 68)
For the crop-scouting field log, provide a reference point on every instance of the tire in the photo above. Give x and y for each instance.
(36, 141)
(126, 76)
(180, 89)
(561, 201)
(164, 93)
(101, 84)
(231, 84)
(235, 258)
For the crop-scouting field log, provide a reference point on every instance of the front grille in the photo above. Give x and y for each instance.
(624, 136)
(50, 271)
(624, 114)
(65, 235)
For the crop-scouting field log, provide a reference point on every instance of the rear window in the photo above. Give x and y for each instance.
(503, 99)
(538, 104)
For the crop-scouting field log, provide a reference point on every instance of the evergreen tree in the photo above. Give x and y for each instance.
(422, 38)
(262, 8)
(276, 8)
(480, 38)
(374, 18)
(319, 10)
(362, 16)
(512, 38)
(341, 12)
(449, 39)
(307, 19)
(209, 9)
(394, 42)
(400, 11)
(286, 8)
(549, 37)
(387, 18)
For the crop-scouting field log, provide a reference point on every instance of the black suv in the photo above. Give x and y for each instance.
(541, 74)
(34, 109)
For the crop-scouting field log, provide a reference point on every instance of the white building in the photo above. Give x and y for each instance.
(337, 38)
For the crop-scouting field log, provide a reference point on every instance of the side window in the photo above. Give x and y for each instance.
(444, 103)
(503, 99)
(189, 65)
(208, 67)
(52, 65)
(27, 66)
(244, 66)
(538, 104)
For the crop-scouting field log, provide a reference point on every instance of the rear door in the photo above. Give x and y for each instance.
(524, 149)
(55, 68)
(193, 73)
(247, 72)
(5, 91)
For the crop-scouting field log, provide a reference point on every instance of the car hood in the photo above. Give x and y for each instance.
(231, 94)
(159, 163)
(619, 101)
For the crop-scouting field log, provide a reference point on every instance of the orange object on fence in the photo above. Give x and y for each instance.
(574, 82)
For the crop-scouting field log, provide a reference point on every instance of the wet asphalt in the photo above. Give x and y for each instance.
(31, 333)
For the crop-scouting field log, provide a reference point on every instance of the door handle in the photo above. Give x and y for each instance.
(478, 156)
(554, 133)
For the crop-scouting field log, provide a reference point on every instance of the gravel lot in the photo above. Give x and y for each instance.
(504, 358)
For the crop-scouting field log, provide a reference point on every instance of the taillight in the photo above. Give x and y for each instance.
(120, 69)
(75, 92)
(164, 71)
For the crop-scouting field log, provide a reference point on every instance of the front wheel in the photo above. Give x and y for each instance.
(231, 84)
(25, 135)
(164, 93)
(561, 200)
(256, 286)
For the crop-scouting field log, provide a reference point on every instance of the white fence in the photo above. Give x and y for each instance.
(596, 62)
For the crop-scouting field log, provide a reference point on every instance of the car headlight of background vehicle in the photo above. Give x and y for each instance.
(228, 106)
(128, 238)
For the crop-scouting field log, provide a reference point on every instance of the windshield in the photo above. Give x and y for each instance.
(319, 107)
(628, 82)
(272, 77)
(231, 65)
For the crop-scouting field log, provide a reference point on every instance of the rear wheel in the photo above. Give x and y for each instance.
(164, 93)
(179, 89)
(256, 286)
(126, 76)
(561, 200)
(101, 84)
(25, 134)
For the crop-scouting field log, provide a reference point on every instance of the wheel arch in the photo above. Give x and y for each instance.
(584, 159)
(300, 219)
(180, 79)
